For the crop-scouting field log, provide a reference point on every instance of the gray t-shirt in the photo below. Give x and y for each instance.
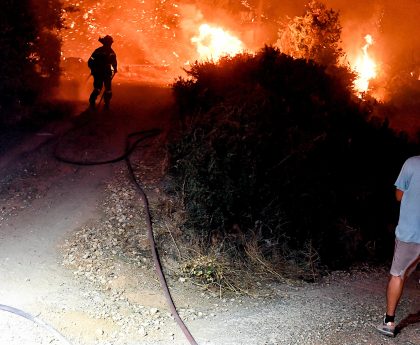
(408, 228)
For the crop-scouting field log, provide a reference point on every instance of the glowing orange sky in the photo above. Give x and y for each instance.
(159, 32)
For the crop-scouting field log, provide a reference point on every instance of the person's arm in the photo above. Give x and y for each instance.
(114, 66)
(91, 62)
(114, 62)
(398, 194)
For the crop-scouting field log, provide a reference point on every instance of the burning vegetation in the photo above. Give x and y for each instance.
(167, 35)
(285, 151)
(174, 34)
(365, 68)
(212, 43)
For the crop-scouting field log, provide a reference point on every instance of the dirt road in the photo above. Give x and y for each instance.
(44, 202)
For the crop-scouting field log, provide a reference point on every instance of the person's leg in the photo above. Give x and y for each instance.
(395, 288)
(107, 92)
(406, 257)
(393, 294)
(97, 87)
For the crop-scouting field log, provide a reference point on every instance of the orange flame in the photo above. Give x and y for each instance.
(213, 43)
(365, 68)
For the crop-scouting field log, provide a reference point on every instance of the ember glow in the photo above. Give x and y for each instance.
(365, 68)
(154, 39)
(213, 42)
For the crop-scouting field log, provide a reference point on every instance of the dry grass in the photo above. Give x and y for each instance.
(222, 267)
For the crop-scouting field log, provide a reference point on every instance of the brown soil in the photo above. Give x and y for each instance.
(69, 253)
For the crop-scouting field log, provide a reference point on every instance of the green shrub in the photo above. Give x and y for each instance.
(281, 146)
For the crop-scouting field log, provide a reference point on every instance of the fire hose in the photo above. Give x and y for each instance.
(138, 137)
(129, 148)
(35, 320)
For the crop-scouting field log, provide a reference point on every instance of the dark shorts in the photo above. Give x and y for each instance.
(406, 258)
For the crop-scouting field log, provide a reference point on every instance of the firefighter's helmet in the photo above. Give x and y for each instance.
(106, 40)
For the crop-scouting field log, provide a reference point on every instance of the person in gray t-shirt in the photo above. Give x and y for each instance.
(407, 239)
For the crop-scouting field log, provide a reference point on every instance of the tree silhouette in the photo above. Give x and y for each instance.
(314, 36)
(49, 22)
(17, 37)
(30, 53)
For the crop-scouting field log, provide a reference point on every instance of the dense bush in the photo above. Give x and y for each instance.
(316, 35)
(279, 147)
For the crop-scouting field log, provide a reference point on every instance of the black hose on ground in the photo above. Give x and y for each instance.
(35, 320)
(156, 260)
(128, 151)
(129, 148)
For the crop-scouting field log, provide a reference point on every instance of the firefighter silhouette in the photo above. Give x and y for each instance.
(103, 66)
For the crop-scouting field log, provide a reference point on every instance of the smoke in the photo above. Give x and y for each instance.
(394, 26)
(159, 32)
